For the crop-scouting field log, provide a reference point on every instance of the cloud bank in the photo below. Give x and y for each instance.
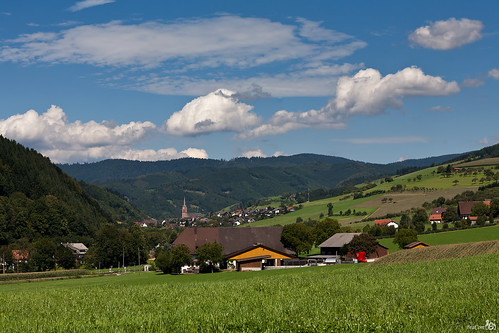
(446, 35)
(52, 135)
(172, 57)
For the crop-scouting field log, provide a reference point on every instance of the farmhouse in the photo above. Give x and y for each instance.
(435, 218)
(387, 222)
(250, 248)
(464, 207)
(415, 245)
(78, 249)
(333, 245)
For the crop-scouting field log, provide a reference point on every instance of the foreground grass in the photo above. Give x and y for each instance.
(450, 237)
(443, 296)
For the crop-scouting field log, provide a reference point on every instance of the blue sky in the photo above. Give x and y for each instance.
(376, 81)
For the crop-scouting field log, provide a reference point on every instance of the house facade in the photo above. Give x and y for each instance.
(257, 257)
(78, 249)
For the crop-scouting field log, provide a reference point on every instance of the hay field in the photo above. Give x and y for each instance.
(431, 253)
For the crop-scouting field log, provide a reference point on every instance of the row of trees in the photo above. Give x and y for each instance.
(41, 255)
(300, 237)
(171, 260)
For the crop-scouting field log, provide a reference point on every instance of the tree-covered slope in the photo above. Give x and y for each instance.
(114, 204)
(37, 199)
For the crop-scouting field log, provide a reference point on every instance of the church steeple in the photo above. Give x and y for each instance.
(185, 214)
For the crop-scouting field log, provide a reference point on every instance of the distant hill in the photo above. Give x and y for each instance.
(487, 152)
(38, 200)
(159, 187)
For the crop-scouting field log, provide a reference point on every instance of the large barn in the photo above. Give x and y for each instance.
(247, 248)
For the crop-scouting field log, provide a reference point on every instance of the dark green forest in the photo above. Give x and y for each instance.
(38, 200)
(159, 188)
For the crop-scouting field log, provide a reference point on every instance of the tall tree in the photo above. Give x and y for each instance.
(44, 253)
(363, 242)
(330, 209)
(210, 255)
(405, 236)
(297, 237)
(172, 260)
(324, 229)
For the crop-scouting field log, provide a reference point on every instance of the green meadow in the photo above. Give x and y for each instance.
(441, 296)
(435, 185)
(450, 237)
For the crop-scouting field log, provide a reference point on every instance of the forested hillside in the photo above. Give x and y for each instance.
(210, 185)
(38, 200)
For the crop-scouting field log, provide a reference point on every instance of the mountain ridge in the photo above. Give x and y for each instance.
(158, 188)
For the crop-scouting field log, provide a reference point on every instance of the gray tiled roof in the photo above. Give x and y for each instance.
(339, 239)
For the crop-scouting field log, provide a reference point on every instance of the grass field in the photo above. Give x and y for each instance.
(435, 185)
(450, 237)
(437, 252)
(444, 296)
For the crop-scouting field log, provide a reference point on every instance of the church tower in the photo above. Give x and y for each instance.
(185, 214)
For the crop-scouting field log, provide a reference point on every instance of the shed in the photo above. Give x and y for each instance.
(415, 245)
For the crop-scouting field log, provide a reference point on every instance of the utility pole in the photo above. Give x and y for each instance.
(123, 259)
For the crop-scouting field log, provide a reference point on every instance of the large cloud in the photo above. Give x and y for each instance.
(208, 42)
(62, 141)
(215, 112)
(365, 93)
(172, 57)
(446, 35)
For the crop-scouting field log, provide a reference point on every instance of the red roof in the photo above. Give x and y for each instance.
(20, 254)
(435, 217)
(383, 221)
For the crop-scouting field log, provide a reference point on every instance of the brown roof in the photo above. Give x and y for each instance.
(466, 206)
(233, 239)
(438, 210)
(413, 244)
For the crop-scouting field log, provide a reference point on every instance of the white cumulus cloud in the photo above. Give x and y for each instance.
(87, 4)
(218, 111)
(365, 93)
(253, 153)
(494, 73)
(446, 35)
(54, 136)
